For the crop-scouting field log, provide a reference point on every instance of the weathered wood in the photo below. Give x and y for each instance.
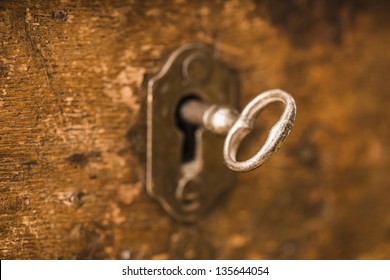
(72, 129)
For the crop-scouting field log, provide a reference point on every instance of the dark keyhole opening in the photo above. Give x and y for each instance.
(189, 131)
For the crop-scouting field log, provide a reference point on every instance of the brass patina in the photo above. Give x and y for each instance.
(187, 189)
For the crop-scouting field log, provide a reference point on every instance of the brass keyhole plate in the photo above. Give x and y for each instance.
(187, 189)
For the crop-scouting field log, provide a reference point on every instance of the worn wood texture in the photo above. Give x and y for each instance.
(72, 129)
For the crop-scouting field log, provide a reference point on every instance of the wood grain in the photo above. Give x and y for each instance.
(72, 129)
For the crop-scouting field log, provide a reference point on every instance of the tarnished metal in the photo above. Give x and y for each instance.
(185, 170)
(192, 111)
(214, 118)
(219, 119)
(187, 187)
(244, 125)
(223, 120)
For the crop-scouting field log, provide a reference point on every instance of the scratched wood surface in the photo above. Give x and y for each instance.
(72, 129)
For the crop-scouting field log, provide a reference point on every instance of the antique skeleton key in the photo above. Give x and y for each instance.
(223, 120)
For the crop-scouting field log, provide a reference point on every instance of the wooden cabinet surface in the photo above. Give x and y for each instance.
(73, 129)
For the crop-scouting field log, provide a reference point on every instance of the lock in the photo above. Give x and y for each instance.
(190, 103)
(185, 170)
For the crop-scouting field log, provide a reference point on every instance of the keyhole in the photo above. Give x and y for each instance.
(188, 130)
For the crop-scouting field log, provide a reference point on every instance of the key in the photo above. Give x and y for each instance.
(222, 120)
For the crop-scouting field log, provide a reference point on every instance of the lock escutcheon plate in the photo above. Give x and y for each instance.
(187, 190)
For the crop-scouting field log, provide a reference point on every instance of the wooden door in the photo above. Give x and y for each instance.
(73, 129)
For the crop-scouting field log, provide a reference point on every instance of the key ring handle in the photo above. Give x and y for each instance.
(244, 125)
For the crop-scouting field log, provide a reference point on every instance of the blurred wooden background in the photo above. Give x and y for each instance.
(72, 129)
